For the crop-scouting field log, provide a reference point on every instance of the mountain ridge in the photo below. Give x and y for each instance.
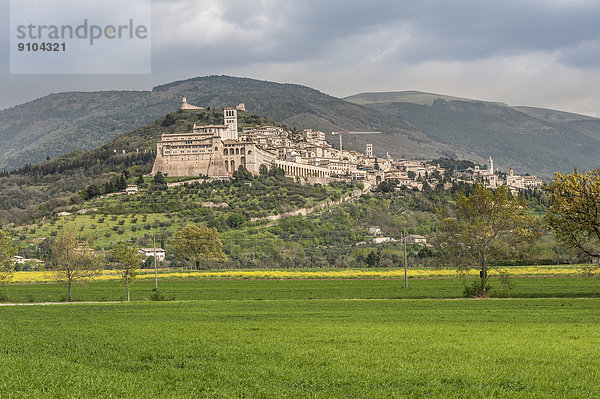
(92, 118)
(527, 139)
(414, 125)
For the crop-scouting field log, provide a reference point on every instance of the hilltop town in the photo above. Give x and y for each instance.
(216, 151)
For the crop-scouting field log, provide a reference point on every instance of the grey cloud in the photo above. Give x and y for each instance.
(437, 30)
(345, 34)
(584, 55)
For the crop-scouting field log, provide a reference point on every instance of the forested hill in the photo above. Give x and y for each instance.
(527, 139)
(35, 190)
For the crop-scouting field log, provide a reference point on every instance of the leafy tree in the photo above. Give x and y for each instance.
(140, 181)
(373, 258)
(263, 170)
(159, 179)
(242, 174)
(199, 243)
(149, 262)
(235, 220)
(91, 191)
(128, 262)
(276, 171)
(574, 212)
(386, 187)
(489, 225)
(121, 182)
(73, 259)
(7, 254)
(168, 121)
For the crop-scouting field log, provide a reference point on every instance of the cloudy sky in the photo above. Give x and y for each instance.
(522, 52)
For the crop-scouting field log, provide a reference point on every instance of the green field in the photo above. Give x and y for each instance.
(354, 338)
(524, 287)
(519, 348)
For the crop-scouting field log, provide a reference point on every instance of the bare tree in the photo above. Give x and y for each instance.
(7, 255)
(128, 262)
(73, 259)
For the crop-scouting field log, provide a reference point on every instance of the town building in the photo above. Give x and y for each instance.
(416, 239)
(158, 253)
(217, 151)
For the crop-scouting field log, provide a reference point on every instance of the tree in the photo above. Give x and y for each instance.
(373, 258)
(263, 170)
(489, 225)
(121, 182)
(73, 259)
(199, 243)
(7, 255)
(159, 179)
(574, 211)
(242, 174)
(235, 220)
(128, 262)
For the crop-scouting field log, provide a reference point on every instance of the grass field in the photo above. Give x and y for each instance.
(237, 289)
(518, 348)
(294, 338)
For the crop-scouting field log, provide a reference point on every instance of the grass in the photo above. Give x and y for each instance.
(236, 289)
(527, 348)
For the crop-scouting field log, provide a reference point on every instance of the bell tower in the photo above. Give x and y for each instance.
(230, 114)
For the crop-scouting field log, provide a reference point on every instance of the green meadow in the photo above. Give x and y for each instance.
(272, 289)
(298, 348)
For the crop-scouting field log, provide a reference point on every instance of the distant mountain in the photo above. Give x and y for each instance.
(60, 123)
(527, 139)
(413, 124)
(585, 124)
(408, 96)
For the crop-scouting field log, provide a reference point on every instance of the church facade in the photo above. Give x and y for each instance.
(210, 150)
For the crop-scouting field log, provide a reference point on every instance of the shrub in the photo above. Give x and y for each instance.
(4, 297)
(161, 295)
(475, 290)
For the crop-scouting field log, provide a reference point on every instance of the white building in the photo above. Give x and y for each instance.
(158, 253)
(416, 239)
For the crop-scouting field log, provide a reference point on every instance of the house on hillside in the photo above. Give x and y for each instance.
(416, 239)
(131, 189)
(158, 253)
(375, 230)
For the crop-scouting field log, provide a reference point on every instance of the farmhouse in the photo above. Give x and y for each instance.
(416, 239)
(158, 253)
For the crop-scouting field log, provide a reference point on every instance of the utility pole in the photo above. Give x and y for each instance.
(405, 262)
(155, 266)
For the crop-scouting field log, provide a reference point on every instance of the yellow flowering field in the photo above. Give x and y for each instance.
(515, 271)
